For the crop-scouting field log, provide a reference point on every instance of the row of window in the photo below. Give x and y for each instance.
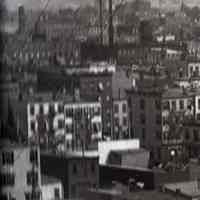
(69, 127)
(8, 157)
(124, 108)
(51, 109)
(70, 112)
(194, 134)
(124, 121)
(174, 105)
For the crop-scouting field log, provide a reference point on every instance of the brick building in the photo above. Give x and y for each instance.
(78, 171)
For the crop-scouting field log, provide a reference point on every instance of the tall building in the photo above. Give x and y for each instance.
(21, 18)
(20, 172)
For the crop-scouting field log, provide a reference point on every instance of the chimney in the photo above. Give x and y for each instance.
(21, 19)
(110, 28)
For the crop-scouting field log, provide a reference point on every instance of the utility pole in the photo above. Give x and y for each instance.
(101, 21)
(110, 28)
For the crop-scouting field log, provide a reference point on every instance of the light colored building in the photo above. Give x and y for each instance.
(193, 69)
(51, 188)
(82, 121)
(105, 147)
(64, 122)
(20, 172)
(44, 116)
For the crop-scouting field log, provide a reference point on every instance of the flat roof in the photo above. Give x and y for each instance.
(49, 180)
(71, 155)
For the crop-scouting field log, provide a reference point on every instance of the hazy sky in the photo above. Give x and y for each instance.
(35, 4)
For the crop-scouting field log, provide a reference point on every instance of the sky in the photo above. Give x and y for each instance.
(35, 4)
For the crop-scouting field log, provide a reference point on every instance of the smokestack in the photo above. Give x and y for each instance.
(110, 28)
(101, 21)
(21, 18)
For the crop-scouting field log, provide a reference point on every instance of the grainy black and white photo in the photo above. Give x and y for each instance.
(100, 99)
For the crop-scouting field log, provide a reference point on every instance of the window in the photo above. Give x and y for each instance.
(33, 126)
(32, 178)
(7, 179)
(158, 119)
(30, 196)
(60, 124)
(74, 169)
(107, 98)
(41, 109)
(69, 128)
(187, 135)
(196, 135)
(123, 107)
(8, 158)
(142, 104)
(116, 108)
(56, 193)
(93, 169)
(32, 110)
(97, 110)
(158, 104)
(60, 108)
(158, 135)
(181, 104)
(73, 190)
(116, 121)
(166, 105)
(124, 121)
(143, 133)
(34, 156)
(173, 105)
(142, 118)
(51, 109)
(69, 112)
(198, 103)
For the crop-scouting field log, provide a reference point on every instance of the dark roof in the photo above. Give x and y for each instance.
(49, 180)
(128, 151)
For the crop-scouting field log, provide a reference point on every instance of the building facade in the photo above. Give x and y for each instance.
(63, 124)
(77, 171)
(120, 119)
(51, 188)
(20, 172)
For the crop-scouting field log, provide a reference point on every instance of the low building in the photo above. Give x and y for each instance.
(51, 188)
(77, 171)
(20, 172)
(105, 147)
(129, 158)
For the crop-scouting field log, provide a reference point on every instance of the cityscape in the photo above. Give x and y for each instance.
(100, 99)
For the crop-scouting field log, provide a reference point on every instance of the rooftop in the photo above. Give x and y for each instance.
(190, 188)
(49, 180)
(74, 154)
